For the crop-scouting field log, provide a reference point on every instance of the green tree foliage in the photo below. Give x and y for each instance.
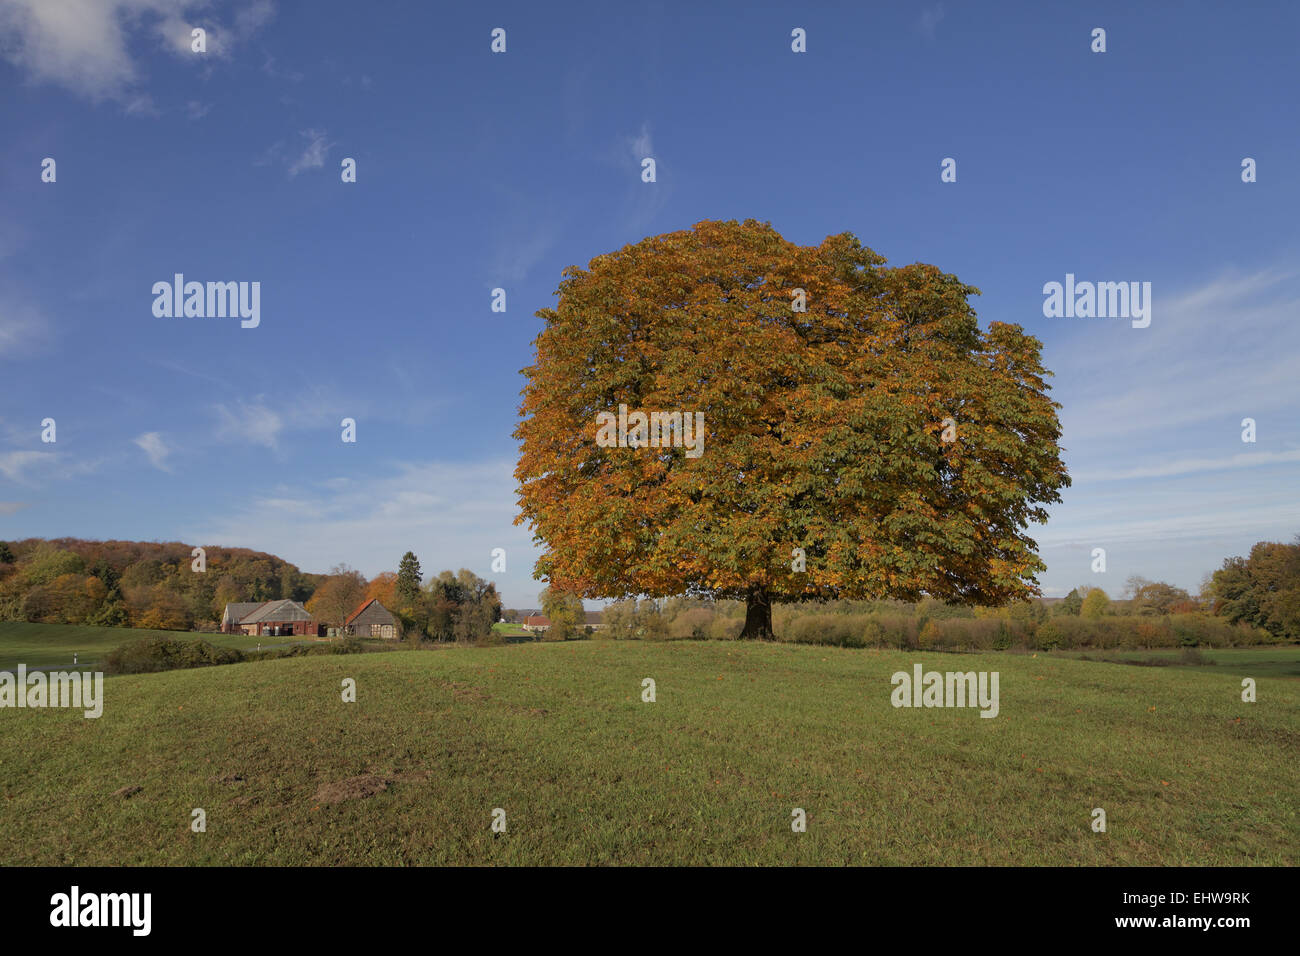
(566, 612)
(48, 562)
(1262, 589)
(1155, 597)
(460, 606)
(1096, 604)
(409, 580)
(1072, 603)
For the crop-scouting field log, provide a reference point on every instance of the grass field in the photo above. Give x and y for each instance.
(52, 645)
(1248, 662)
(557, 735)
(511, 630)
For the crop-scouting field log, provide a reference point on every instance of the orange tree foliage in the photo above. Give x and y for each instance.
(384, 588)
(823, 429)
(141, 583)
(338, 595)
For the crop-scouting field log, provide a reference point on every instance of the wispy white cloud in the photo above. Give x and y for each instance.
(18, 465)
(313, 155)
(85, 45)
(1227, 346)
(642, 145)
(249, 424)
(250, 19)
(1190, 466)
(24, 329)
(518, 254)
(152, 444)
(930, 19)
(13, 507)
(34, 468)
(450, 514)
(645, 200)
(1151, 422)
(271, 69)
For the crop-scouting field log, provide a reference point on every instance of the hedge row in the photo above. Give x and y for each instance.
(153, 654)
(981, 634)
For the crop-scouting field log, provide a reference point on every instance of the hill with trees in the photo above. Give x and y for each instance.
(154, 585)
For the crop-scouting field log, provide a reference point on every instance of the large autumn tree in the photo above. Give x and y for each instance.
(827, 468)
(338, 595)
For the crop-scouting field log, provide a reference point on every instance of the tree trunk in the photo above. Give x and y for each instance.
(758, 616)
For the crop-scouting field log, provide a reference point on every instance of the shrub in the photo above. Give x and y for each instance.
(1049, 636)
(692, 625)
(1003, 641)
(841, 630)
(873, 632)
(1153, 633)
(899, 631)
(150, 655)
(1201, 630)
(349, 645)
(725, 628)
(983, 633)
(929, 637)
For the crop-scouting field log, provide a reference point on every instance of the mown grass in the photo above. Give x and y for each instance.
(557, 735)
(52, 645)
(1245, 661)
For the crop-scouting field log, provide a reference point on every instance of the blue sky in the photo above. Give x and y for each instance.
(478, 170)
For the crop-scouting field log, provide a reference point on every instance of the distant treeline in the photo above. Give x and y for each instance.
(1251, 600)
(137, 583)
(152, 585)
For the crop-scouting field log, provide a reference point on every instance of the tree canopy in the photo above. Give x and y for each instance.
(876, 444)
(1262, 589)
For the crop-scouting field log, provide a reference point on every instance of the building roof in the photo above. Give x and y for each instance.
(592, 617)
(362, 609)
(537, 620)
(237, 612)
(277, 611)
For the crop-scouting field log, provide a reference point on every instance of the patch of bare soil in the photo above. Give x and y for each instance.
(353, 788)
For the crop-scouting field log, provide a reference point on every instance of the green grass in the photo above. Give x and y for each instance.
(1245, 661)
(556, 734)
(52, 645)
